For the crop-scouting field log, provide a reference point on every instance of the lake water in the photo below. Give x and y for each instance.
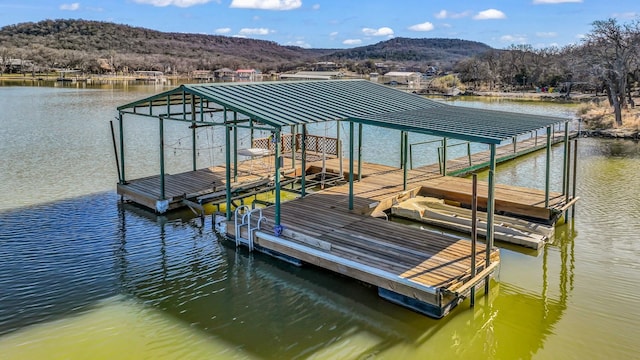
(83, 276)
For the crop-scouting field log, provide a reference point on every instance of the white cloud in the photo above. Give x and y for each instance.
(550, 34)
(426, 26)
(266, 4)
(316, 7)
(333, 33)
(70, 7)
(255, 31)
(383, 31)
(178, 3)
(444, 14)
(490, 14)
(222, 30)
(352, 42)
(514, 39)
(555, 1)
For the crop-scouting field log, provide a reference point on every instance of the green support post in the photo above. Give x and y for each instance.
(359, 151)
(547, 168)
(235, 147)
(565, 163)
(444, 156)
(351, 165)
(401, 147)
(276, 135)
(405, 150)
(251, 135)
(121, 130)
(567, 175)
(227, 139)
(474, 233)
(303, 180)
(162, 185)
(293, 146)
(490, 212)
(575, 174)
(193, 133)
(339, 148)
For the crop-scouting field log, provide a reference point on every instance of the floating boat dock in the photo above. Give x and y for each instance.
(339, 228)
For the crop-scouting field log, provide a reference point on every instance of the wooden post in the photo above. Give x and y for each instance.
(474, 233)
(303, 180)
(350, 165)
(547, 168)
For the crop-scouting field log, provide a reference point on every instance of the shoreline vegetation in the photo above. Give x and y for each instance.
(597, 117)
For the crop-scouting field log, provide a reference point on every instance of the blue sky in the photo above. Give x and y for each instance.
(344, 23)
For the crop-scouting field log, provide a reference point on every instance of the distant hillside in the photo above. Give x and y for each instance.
(405, 49)
(95, 46)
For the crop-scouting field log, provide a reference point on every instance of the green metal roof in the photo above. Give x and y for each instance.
(286, 103)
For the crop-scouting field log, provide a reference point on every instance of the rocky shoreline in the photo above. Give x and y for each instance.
(612, 133)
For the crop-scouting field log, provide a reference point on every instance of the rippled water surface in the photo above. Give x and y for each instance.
(83, 276)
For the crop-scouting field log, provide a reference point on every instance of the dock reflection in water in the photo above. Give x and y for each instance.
(128, 282)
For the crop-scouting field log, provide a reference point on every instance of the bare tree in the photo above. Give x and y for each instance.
(611, 49)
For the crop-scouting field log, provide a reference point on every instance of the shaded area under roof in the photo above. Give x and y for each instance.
(280, 104)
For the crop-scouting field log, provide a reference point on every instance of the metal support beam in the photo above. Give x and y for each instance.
(547, 169)
(401, 147)
(278, 164)
(575, 175)
(227, 142)
(359, 151)
(474, 233)
(567, 176)
(293, 146)
(303, 180)
(565, 162)
(444, 156)
(235, 147)
(339, 148)
(405, 151)
(351, 165)
(491, 199)
(123, 179)
(162, 185)
(193, 133)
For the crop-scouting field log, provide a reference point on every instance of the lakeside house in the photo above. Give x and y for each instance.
(313, 75)
(224, 74)
(410, 79)
(248, 75)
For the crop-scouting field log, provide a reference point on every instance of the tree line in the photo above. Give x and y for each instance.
(606, 61)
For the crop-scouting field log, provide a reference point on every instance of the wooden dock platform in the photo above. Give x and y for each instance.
(425, 271)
